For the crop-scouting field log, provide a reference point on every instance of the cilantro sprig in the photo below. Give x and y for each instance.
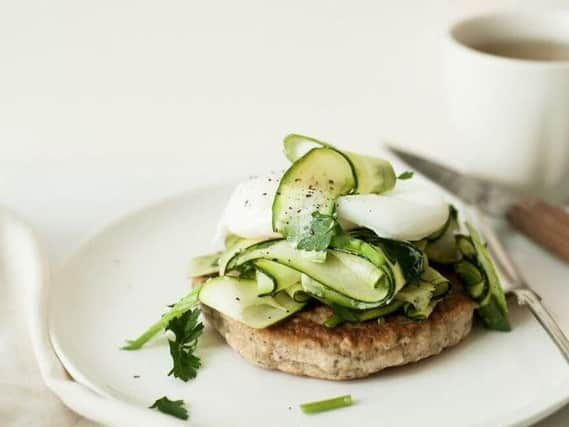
(176, 408)
(182, 320)
(187, 330)
(322, 229)
(186, 303)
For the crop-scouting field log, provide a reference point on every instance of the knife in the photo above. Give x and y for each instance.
(546, 224)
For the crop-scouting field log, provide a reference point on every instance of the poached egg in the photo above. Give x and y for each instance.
(411, 211)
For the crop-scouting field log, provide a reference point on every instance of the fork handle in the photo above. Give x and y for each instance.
(546, 224)
(531, 299)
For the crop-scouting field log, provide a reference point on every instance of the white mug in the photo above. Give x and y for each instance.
(510, 116)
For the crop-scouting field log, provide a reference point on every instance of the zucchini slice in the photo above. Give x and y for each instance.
(237, 246)
(473, 279)
(419, 295)
(297, 293)
(465, 246)
(372, 175)
(420, 299)
(205, 265)
(407, 256)
(348, 243)
(493, 308)
(409, 260)
(273, 277)
(330, 296)
(266, 284)
(378, 256)
(311, 184)
(443, 249)
(238, 299)
(419, 314)
(440, 282)
(343, 314)
(350, 275)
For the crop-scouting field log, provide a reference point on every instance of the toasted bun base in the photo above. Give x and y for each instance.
(301, 345)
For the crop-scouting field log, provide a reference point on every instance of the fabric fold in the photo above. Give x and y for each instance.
(24, 295)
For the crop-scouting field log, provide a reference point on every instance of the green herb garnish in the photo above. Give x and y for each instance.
(322, 229)
(187, 330)
(176, 408)
(186, 303)
(406, 175)
(326, 405)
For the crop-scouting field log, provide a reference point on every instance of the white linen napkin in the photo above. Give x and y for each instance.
(28, 362)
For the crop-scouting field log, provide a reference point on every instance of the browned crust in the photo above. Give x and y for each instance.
(301, 345)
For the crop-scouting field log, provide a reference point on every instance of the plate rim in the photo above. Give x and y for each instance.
(82, 245)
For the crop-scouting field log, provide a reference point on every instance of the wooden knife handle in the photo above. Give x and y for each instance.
(546, 224)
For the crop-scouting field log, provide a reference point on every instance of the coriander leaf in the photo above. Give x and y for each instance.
(176, 408)
(186, 303)
(187, 330)
(322, 229)
(406, 175)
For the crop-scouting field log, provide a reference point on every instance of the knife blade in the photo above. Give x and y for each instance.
(542, 222)
(492, 198)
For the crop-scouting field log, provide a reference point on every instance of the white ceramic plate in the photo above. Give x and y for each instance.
(121, 281)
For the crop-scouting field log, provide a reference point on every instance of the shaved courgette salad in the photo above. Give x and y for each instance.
(336, 228)
(361, 274)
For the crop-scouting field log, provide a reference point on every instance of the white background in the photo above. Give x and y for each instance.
(106, 105)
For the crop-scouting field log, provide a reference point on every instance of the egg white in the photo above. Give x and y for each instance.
(411, 211)
(249, 211)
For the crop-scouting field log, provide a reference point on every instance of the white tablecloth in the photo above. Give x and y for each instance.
(107, 105)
